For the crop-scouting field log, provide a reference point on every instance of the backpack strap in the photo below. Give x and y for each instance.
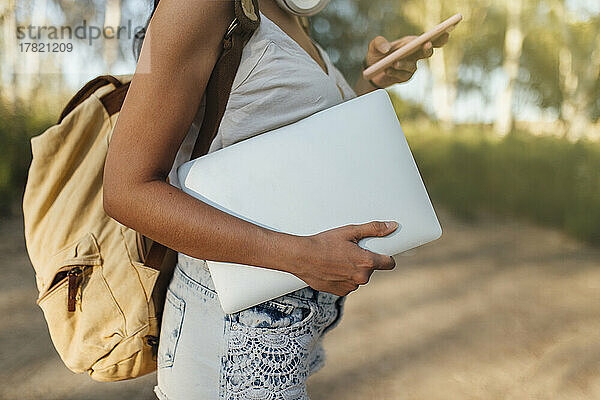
(87, 91)
(246, 21)
(113, 101)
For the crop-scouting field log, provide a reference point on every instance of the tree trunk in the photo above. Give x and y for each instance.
(576, 88)
(443, 90)
(112, 20)
(31, 78)
(9, 54)
(577, 93)
(513, 47)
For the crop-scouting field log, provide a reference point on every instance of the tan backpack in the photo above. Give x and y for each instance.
(101, 284)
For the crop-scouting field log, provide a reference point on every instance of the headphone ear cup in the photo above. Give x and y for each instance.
(303, 8)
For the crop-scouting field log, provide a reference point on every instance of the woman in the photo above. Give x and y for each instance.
(267, 351)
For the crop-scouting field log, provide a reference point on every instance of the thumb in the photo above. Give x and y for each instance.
(381, 45)
(374, 229)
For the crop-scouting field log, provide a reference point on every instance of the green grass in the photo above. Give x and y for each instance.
(547, 179)
(16, 128)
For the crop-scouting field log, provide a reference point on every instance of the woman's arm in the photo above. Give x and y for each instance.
(182, 45)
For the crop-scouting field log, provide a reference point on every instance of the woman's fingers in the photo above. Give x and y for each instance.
(395, 75)
(405, 68)
(341, 266)
(425, 51)
(401, 71)
(396, 44)
(378, 48)
(442, 40)
(408, 66)
(382, 262)
(380, 45)
(375, 229)
(372, 229)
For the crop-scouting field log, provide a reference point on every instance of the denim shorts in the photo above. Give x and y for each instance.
(264, 352)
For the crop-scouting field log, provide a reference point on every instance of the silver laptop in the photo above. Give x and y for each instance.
(349, 164)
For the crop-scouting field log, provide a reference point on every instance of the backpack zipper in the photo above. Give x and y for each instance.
(73, 276)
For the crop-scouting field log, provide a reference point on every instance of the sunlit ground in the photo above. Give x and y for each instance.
(493, 310)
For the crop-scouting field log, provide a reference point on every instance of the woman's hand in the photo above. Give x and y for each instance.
(403, 69)
(336, 264)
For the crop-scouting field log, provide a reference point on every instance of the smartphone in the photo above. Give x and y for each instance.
(411, 47)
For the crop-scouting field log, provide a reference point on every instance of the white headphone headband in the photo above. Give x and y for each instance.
(303, 8)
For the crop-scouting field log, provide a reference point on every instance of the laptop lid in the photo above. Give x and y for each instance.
(349, 164)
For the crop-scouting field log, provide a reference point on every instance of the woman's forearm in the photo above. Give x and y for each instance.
(164, 96)
(168, 215)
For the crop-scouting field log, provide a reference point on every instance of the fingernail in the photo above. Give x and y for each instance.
(391, 224)
(386, 47)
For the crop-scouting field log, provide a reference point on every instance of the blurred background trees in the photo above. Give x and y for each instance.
(522, 60)
(516, 75)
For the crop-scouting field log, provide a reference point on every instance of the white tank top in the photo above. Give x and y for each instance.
(277, 83)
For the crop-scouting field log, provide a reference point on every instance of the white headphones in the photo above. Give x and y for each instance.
(303, 8)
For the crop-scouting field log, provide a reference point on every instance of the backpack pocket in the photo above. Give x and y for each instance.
(84, 321)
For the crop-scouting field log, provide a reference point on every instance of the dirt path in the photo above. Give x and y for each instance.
(493, 310)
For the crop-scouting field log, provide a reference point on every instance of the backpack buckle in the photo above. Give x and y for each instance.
(232, 27)
(152, 341)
